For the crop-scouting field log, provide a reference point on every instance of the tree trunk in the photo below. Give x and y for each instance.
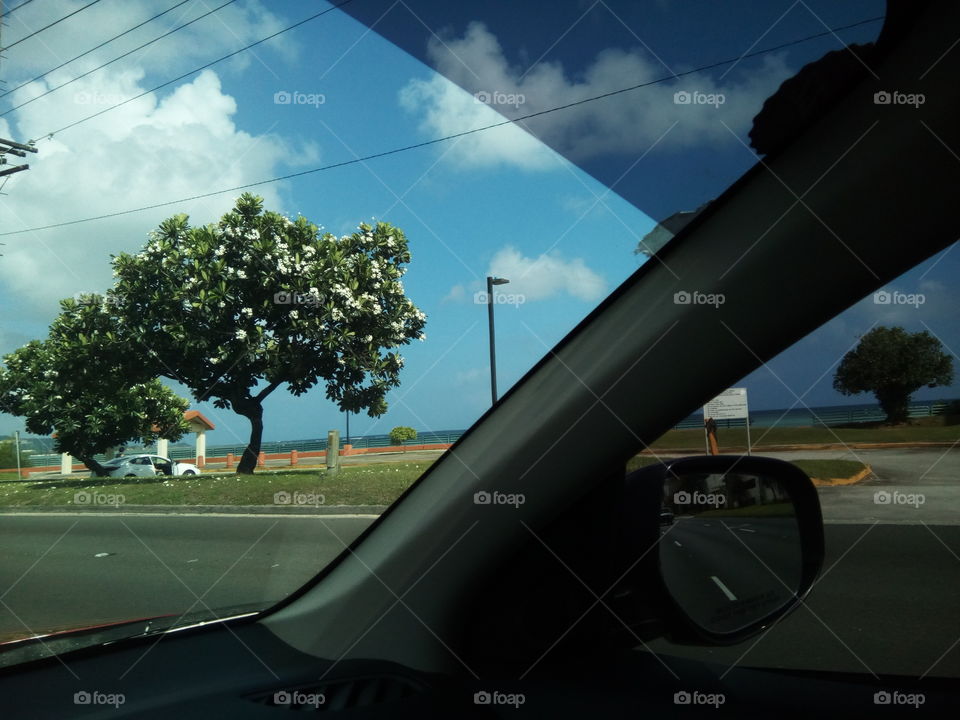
(93, 466)
(253, 411)
(895, 402)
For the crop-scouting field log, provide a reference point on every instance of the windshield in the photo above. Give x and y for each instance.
(301, 268)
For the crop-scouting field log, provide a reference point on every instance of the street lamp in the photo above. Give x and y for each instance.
(491, 281)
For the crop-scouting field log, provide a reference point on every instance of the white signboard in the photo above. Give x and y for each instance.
(729, 405)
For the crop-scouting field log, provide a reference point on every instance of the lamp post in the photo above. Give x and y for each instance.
(491, 281)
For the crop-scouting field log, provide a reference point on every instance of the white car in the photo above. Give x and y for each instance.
(147, 466)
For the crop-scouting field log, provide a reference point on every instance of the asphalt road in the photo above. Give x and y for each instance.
(886, 601)
(60, 571)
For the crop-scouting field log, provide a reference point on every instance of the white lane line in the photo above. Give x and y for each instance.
(746, 530)
(723, 588)
(677, 544)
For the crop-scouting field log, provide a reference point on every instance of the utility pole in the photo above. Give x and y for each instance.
(13, 148)
(9, 147)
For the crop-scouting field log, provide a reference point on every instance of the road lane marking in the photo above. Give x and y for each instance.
(723, 588)
(677, 544)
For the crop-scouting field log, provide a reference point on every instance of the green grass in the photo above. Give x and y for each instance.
(379, 484)
(827, 469)
(764, 437)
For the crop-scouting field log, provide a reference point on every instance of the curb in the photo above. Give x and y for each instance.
(199, 509)
(853, 479)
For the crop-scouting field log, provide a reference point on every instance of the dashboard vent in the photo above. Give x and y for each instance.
(331, 696)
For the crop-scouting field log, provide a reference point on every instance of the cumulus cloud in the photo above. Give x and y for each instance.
(546, 276)
(179, 142)
(630, 122)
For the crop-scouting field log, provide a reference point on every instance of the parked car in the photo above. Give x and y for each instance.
(147, 466)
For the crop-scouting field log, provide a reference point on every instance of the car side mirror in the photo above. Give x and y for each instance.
(738, 542)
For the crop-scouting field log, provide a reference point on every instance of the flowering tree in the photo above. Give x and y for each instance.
(84, 385)
(237, 309)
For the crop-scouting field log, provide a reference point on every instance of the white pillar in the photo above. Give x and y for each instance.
(66, 464)
(201, 445)
(162, 447)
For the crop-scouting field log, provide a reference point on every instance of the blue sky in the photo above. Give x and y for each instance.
(497, 202)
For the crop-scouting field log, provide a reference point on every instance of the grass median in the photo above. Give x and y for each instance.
(733, 439)
(379, 484)
(375, 484)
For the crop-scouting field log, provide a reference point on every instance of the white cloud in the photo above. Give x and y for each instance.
(178, 142)
(449, 110)
(457, 294)
(630, 122)
(546, 276)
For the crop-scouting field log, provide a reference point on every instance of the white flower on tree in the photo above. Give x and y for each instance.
(357, 310)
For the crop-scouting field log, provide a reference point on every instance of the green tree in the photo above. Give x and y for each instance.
(82, 384)
(238, 309)
(401, 433)
(893, 364)
(8, 455)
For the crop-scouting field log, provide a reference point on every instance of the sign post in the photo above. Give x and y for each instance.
(731, 404)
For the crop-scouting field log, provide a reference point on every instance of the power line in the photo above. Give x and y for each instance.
(47, 27)
(119, 57)
(14, 9)
(445, 138)
(105, 42)
(192, 72)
